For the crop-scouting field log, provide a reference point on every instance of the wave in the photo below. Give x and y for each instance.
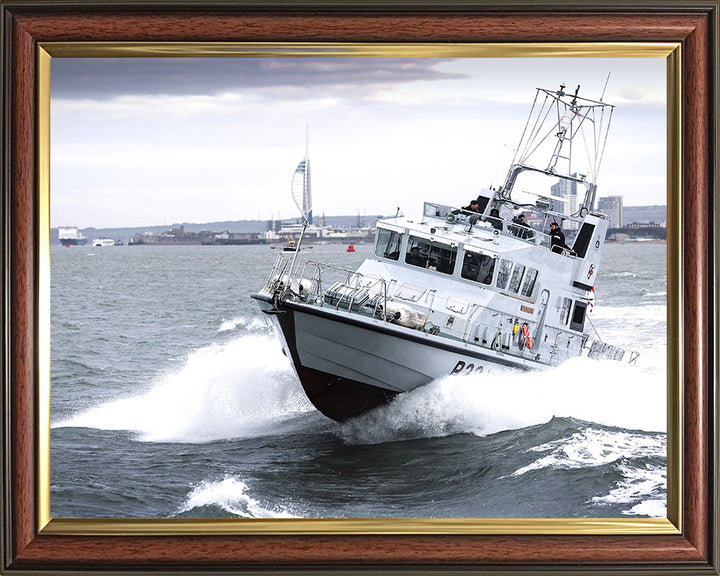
(246, 388)
(644, 488)
(633, 463)
(230, 495)
(624, 274)
(652, 294)
(250, 324)
(238, 389)
(604, 392)
(593, 447)
(649, 313)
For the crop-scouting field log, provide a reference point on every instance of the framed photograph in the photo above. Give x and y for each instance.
(113, 112)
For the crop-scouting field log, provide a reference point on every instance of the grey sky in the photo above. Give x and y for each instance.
(160, 141)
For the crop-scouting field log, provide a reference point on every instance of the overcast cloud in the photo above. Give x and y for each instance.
(161, 141)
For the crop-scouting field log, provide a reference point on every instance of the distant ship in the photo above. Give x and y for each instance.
(71, 236)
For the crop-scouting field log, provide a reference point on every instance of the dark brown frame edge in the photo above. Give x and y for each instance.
(24, 24)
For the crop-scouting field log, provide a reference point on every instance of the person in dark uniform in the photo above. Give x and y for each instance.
(522, 230)
(414, 257)
(557, 239)
(473, 207)
(495, 220)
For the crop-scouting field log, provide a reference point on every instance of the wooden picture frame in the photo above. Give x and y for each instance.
(688, 543)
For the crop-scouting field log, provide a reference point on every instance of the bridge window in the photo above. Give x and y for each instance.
(516, 278)
(504, 274)
(565, 311)
(430, 254)
(529, 283)
(388, 244)
(478, 267)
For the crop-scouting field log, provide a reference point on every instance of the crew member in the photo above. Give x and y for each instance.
(495, 220)
(415, 258)
(522, 230)
(557, 239)
(473, 207)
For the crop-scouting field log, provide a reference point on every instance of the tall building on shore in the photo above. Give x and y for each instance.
(612, 206)
(567, 190)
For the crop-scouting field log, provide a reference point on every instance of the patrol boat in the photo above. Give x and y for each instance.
(457, 291)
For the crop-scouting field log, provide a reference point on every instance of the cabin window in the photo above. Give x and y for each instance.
(577, 322)
(516, 278)
(478, 267)
(483, 201)
(504, 274)
(565, 311)
(430, 254)
(529, 283)
(583, 239)
(388, 244)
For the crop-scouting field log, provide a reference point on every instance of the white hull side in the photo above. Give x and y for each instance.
(375, 353)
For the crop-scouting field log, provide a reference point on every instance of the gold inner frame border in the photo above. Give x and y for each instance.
(427, 526)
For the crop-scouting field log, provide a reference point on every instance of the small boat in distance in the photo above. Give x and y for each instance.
(103, 242)
(290, 244)
(506, 283)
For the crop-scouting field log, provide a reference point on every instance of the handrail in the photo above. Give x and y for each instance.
(506, 227)
(475, 308)
(378, 293)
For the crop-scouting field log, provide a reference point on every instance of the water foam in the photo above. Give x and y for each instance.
(250, 324)
(238, 389)
(641, 329)
(636, 316)
(645, 487)
(593, 447)
(230, 494)
(605, 392)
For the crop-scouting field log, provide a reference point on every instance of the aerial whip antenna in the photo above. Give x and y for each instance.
(605, 87)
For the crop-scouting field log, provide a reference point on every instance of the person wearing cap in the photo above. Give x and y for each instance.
(522, 230)
(473, 207)
(557, 239)
(495, 220)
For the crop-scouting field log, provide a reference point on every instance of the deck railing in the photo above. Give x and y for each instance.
(338, 288)
(501, 225)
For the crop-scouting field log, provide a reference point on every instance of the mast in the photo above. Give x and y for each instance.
(557, 125)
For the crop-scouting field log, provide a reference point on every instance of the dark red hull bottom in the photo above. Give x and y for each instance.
(339, 398)
(336, 397)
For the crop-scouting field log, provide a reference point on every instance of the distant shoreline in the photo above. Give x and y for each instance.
(631, 241)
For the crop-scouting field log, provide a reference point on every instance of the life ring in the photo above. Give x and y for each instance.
(527, 339)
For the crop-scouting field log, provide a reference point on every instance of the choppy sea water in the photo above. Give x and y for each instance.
(170, 397)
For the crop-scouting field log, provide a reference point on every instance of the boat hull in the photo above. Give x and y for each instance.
(349, 364)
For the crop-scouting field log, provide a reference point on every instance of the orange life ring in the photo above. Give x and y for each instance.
(526, 335)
